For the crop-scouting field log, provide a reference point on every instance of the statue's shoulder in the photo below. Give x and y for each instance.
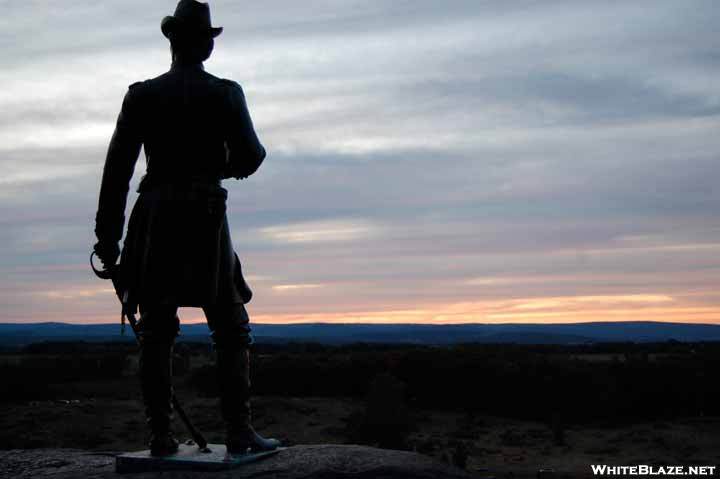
(133, 97)
(159, 82)
(135, 90)
(229, 90)
(230, 84)
(144, 90)
(144, 85)
(222, 85)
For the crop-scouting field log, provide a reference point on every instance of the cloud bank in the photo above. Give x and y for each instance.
(428, 162)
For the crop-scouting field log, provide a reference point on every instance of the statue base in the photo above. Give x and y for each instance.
(188, 458)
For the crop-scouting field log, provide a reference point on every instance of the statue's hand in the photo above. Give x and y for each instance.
(108, 252)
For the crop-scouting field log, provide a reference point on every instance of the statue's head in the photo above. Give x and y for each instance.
(190, 32)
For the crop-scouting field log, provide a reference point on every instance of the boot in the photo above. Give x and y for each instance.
(233, 365)
(156, 385)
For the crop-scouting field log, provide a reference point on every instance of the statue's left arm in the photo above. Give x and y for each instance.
(118, 171)
(245, 152)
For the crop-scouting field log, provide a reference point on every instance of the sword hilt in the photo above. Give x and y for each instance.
(101, 273)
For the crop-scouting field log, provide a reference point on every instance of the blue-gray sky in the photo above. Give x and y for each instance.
(485, 161)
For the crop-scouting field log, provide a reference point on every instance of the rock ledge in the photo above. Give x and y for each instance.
(306, 462)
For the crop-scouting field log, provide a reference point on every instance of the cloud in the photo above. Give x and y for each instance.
(427, 161)
(314, 232)
(295, 287)
(75, 294)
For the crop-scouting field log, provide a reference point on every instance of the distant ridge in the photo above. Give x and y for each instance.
(16, 334)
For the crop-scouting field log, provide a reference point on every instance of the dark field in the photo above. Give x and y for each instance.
(506, 408)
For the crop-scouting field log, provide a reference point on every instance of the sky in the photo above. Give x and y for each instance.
(442, 162)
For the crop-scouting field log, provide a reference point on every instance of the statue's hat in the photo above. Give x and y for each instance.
(190, 18)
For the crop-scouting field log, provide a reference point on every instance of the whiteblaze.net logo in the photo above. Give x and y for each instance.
(645, 470)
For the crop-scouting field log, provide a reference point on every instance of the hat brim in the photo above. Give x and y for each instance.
(171, 26)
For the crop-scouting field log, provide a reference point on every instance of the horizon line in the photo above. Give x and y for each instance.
(392, 324)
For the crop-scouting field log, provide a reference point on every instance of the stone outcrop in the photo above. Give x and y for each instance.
(306, 462)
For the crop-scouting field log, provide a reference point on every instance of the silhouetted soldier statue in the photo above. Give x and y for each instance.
(196, 131)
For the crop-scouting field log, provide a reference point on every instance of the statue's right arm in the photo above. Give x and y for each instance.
(118, 171)
(245, 152)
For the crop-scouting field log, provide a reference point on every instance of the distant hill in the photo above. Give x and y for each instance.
(576, 333)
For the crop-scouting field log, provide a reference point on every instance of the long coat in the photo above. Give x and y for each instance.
(196, 130)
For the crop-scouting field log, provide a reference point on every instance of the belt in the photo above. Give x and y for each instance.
(151, 182)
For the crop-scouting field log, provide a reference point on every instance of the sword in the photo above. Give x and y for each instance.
(113, 274)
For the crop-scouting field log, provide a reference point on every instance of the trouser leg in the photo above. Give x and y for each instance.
(231, 338)
(157, 329)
